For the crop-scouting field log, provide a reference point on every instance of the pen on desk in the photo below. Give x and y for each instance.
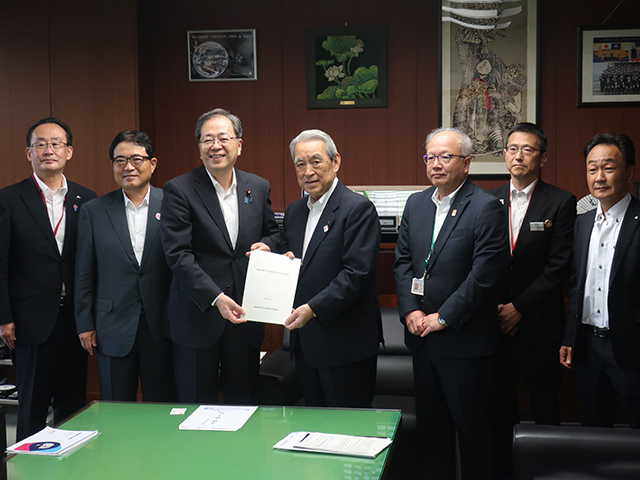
(303, 438)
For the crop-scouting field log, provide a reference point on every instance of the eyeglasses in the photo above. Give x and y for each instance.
(42, 146)
(444, 159)
(526, 150)
(136, 161)
(210, 142)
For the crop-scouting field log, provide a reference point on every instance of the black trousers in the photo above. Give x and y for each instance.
(537, 362)
(55, 370)
(233, 364)
(598, 377)
(453, 395)
(351, 385)
(119, 375)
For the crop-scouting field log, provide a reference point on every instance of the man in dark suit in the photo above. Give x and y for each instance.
(210, 218)
(603, 328)
(452, 248)
(336, 324)
(531, 314)
(122, 279)
(38, 219)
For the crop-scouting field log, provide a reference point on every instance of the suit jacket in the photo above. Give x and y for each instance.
(337, 278)
(624, 288)
(199, 251)
(540, 263)
(468, 258)
(111, 287)
(32, 270)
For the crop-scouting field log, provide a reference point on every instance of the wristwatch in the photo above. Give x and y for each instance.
(442, 322)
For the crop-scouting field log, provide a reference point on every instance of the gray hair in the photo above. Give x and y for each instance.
(315, 134)
(464, 141)
(219, 112)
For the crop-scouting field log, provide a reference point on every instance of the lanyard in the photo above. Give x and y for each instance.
(64, 205)
(512, 240)
(433, 241)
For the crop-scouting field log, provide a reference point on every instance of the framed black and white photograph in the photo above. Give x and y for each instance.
(489, 72)
(608, 67)
(346, 67)
(222, 55)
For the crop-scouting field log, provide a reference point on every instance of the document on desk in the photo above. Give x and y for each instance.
(218, 418)
(53, 442)
(336, 444)
(270, 287)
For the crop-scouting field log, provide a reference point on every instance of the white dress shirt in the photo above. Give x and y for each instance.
(229, 205)
(315, 211)
(137, 221)
(442, 210)
(602, 245)
(55, 203)
(519, 204)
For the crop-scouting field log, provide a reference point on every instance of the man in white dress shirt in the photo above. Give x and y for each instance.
(122, 279)
(603, 329)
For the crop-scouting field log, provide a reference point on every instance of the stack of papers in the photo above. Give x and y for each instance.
(52, 442)
(368, 447)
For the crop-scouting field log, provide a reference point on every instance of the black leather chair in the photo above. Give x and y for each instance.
(544, 452)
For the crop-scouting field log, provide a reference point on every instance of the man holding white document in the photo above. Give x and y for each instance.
(336, 324)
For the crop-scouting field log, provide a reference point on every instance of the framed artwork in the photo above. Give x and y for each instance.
(608, 67)
(346, 67)
(488, 82)
(222, 55)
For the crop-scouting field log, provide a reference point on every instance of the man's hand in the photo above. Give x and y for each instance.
(565, 356)
(414, 322)
(89, 341)
(259, 246)
(230, 309)
(508, 318)
(8, 334)
(431, 324)
(299, 317)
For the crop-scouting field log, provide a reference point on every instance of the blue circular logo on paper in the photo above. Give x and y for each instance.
(44, 447)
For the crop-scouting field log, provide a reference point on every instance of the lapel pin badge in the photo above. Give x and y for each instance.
(548, 223)
(75, 208)
(453, 214)
(247, 197)
(158, 216)
(502, 201)
(325, 229)
(79, 197)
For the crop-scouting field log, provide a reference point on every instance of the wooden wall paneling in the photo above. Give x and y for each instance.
(376, 144)
(93, 81)
(259, 103)
(24, 82)
(574, 126)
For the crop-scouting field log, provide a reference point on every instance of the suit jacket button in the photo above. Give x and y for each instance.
(228, 288)
(427, 276)
(141, 274)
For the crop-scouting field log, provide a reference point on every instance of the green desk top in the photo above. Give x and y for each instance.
(142, 441)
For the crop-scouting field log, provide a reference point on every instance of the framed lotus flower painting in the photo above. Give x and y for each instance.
(346, 67)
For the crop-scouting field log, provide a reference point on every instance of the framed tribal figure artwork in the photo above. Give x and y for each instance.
(489, 73)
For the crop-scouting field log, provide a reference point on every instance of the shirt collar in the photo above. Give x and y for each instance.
(526, 190)
(615, 213)
(322, 201)
(127, 200)
(46, 191)
(448, 200)
(219, 188)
